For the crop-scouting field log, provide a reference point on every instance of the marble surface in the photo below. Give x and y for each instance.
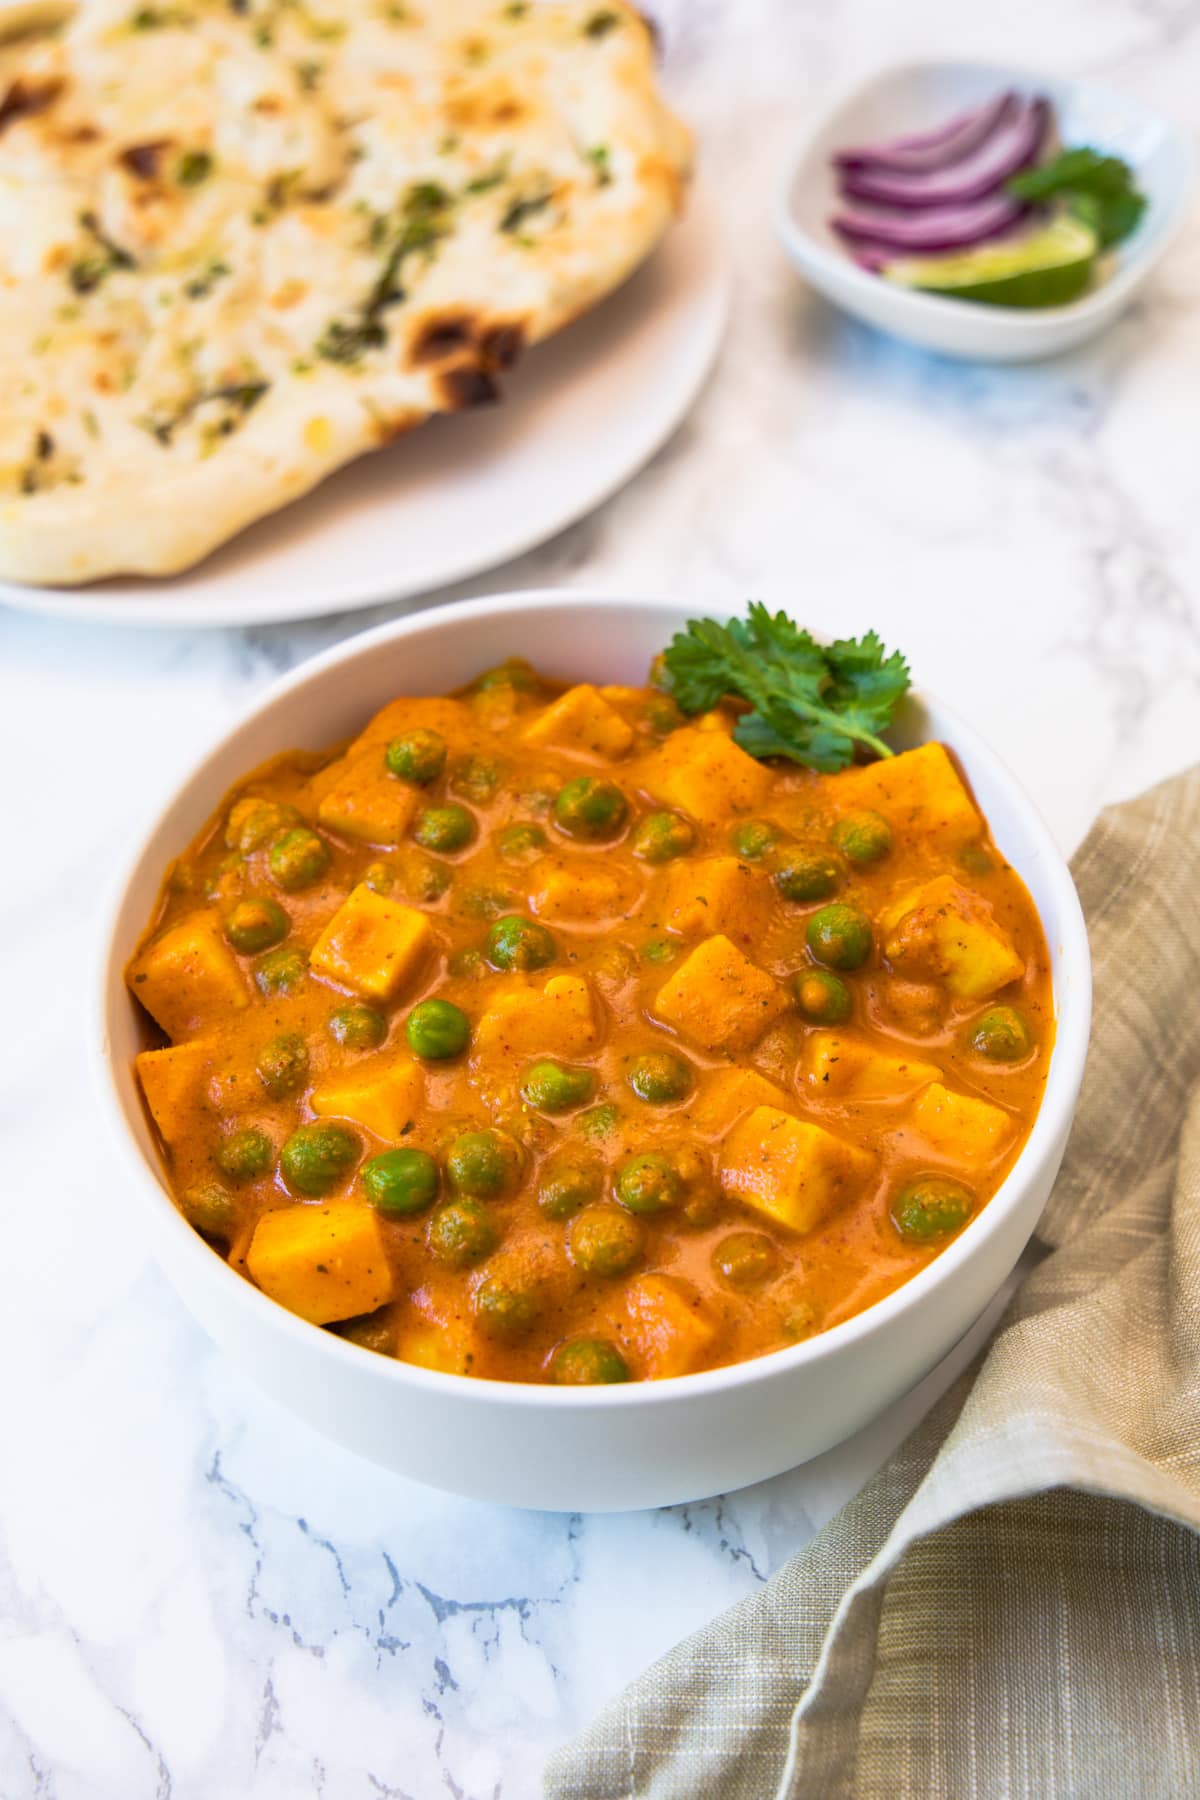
(201, 1598)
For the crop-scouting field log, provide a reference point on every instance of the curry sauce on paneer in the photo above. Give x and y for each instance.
(543, 1034)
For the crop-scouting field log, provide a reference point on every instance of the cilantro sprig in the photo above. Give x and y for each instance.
(813, 703)
(1098, 190)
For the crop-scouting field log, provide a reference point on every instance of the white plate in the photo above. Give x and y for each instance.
(919, 96)
(460, 494)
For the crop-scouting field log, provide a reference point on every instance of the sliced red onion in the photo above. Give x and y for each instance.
(933, 149)
(1013, 146)
(877, 229)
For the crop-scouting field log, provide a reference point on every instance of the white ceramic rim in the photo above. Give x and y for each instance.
(155, 608)
(1065, 1073)
(1011, 322)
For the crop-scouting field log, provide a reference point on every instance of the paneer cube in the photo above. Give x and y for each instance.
(717, 893)
(846, 1068)
(960, 1127)
(557, 1020)
(944, 932)
(367, 803)
(579, 891)
(323, 1262)
(188, 978)
(729, 1095)
(452, 1346)
(705, 774)
(793, 1172)
(450, 718)
(669, 1324)
(920, 793)
(172, 1081)
(373, 945)
(719, 998)
(383, 1094)
(581, 720)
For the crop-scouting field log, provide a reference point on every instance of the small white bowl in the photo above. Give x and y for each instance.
(577, 1449)
(918, 97)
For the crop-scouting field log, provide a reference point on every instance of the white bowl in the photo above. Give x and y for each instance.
(603, 1448)
(917, 97)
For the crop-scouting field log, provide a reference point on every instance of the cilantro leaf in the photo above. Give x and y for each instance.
(1099, 190)
(813, 703)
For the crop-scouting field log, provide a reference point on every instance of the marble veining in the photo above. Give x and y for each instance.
(199, 1597)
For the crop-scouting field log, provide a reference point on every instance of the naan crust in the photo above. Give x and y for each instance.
(244, 241)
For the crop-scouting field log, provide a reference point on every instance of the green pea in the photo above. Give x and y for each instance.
(746, 1259)
(357, 1027)
(659, 1078)
(975, 860)
(839, 936)
(863, 838)
(658, 950)
(517, 943)
(467, 963)
(753, 839)
(805, 875)
(662, 836)
(551, 1087)
(483, 1164)
(371, 1331)
(930, 1208)
(297, 859)
(477, 778)
(1002, 1034)
(255, 925)
(225, 882)
(282, 1065)
(648, 1183)
(599, 1121)
(380, 878)
(517, 843)
(280, 971)
(503, 1309)
(418, 756)
(484, 902)
(211, 1209)
(602, 1240)
(245, 1154)
(568, 1186)
(591, 809)
(515, 673)
(661, 715)
(461, 1233)
(437, 1030)
(822, 998)
(587, 1362)
(401, 1182)
(315, 1158)
(444, 829)
(253, 823)
(425, 880)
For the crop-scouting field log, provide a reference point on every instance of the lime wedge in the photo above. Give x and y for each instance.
(1047, 268)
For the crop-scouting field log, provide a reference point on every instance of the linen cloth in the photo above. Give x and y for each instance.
(1012, 1606)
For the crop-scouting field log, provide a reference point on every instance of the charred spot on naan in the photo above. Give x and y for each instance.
(24, 99)
(466, 386)
(144, 160)
(444, 336)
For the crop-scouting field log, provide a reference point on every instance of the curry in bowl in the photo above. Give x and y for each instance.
(548, 1034)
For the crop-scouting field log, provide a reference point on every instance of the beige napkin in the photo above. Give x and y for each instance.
(1012, 1607)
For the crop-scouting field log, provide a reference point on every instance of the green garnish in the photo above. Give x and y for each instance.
(193, 167)
(814, 703)
(601, 23)
(88, 272)
(1099, 191)
(520, 210)
(422, 223)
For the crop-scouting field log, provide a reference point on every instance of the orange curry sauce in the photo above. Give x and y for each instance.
(784, 1140)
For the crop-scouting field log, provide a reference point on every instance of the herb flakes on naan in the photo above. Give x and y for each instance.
(244, 241)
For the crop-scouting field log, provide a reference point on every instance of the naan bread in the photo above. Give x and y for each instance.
(243, 241)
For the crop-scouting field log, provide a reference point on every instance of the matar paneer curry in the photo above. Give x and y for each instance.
(541, 1034)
